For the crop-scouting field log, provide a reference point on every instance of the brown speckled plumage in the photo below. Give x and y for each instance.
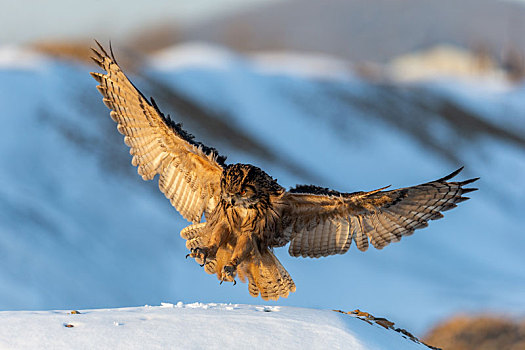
(246, 211)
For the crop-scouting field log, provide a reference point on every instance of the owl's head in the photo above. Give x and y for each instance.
(246, 185)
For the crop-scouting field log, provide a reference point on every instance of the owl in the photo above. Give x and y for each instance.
(246, 212)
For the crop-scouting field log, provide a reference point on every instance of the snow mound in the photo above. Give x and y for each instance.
(196, 326)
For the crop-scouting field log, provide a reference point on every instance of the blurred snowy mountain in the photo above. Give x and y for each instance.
(80, 229)
(358, 30)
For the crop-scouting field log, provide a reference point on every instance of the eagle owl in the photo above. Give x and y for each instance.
(246, 211)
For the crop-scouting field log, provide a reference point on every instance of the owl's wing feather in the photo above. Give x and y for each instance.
(189, 172)
(324, 222)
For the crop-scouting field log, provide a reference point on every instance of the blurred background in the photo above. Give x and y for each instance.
(353, 95)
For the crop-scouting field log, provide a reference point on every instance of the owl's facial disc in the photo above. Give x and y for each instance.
(248, 192)
(243, 196)
(238, 188)
(246, 197)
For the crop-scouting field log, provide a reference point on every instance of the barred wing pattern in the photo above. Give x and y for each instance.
(189, 171)
(324, 222)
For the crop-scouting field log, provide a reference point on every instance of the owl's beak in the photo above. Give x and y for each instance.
(229, 199)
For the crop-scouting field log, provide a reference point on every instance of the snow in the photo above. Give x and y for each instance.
(444, 61)
(203, 55)
(191, 55)
(80, 229)
(499, 102)
(311, 65)
(195, 326)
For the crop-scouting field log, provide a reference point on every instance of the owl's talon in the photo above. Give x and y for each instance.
(229, 270)
(228, 274)
(199, 253)
(223, 280)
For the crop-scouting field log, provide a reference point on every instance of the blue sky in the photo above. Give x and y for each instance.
(26, 20)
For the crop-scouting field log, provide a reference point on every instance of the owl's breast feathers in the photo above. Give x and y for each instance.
(260, 215)
(262, 221)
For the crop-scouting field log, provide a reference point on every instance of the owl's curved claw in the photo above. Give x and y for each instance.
(228, 270)
(197, 252)
(204, 256)
(228, 274)
(234, 282)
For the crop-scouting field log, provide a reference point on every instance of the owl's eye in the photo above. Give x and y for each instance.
(247, 191)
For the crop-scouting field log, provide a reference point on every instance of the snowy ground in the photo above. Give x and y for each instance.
(196, 326)
(79, 229)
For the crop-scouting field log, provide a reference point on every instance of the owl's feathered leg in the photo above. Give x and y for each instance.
(200, 254)
(243, 247)
(218, 238)
(211, 249)
(223, 256)
(203, 242)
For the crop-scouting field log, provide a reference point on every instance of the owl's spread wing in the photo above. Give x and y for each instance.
(324, 222)
(189, 171)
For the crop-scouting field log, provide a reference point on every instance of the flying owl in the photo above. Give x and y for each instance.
(247, 213)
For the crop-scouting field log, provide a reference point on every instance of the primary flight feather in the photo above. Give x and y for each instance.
(246, 211)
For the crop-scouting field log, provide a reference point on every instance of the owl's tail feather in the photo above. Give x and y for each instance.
(266, 276)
